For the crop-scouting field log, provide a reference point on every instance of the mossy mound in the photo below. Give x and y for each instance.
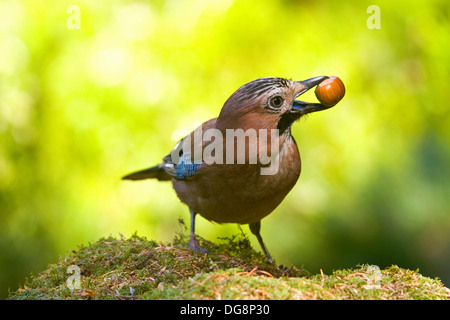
(350, 284)
(137, 268)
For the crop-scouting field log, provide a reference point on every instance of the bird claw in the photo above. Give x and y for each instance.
(194, 245)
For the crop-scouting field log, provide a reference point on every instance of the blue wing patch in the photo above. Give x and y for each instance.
(186, 170)
(183, 168)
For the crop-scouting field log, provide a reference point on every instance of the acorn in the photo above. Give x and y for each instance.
(330, 91)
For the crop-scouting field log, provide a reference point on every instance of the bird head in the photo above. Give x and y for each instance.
(268, 103)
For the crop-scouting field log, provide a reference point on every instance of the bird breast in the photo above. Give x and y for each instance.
(240, 193)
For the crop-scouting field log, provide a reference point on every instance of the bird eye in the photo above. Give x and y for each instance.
(276, 102)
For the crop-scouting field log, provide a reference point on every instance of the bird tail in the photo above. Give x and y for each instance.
(156, 172)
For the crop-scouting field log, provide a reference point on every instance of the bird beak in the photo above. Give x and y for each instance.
(302, 107)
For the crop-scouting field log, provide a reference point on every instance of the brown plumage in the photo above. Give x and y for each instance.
(228, 183)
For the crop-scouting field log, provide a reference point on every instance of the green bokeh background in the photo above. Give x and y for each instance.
(79, 108)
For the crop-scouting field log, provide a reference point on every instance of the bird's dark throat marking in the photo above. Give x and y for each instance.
(286, 120)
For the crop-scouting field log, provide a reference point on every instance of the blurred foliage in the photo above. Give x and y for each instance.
(79, 108)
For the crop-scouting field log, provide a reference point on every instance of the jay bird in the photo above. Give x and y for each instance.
(240, 191)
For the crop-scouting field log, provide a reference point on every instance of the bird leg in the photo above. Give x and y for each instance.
(193, 244)
(255, 228)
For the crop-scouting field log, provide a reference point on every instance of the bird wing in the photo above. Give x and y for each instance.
(180, 162)
(182, 168)
(177, 164)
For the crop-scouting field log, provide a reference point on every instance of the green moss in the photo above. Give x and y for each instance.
(137, 268)
(392, 283)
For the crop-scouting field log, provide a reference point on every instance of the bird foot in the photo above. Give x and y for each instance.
(194, 245)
